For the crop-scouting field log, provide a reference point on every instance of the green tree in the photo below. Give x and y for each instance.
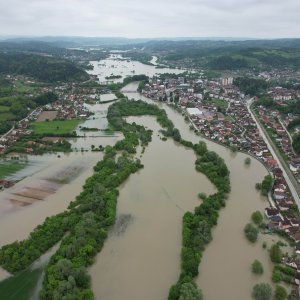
(280, 293)
(262, 291)
(257, 217)
(202, 196)
(276, 276)
(247, 161)
(275, 253)
(251, 233)
(257, 267)
(200, 148)
(189, 291)
(176, 135)
(266, 185)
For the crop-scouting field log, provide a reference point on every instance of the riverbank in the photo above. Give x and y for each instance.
(156, 198)
(242, 201)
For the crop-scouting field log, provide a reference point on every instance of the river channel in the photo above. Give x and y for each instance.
(50, 182)
(141, 257)
(143, 261)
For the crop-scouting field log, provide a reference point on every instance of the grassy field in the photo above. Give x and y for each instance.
(7, 116)
(20, 286)
(9, 168)
(23, 88)
(229, 119)
(220, 103)
(54, 127)
(4, 108)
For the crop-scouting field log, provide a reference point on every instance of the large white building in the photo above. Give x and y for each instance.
(194, 111)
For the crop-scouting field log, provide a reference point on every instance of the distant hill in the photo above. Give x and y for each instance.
(32, 47)
(71, 42)
(46, 48)
(42, 68)
(77, 41)
(211, 53)
(229, 55)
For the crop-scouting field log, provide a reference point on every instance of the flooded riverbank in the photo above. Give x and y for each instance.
(144, 260)
(19, 220)
(141, 257)
(117, 65)
(229, 249)
(51, 182)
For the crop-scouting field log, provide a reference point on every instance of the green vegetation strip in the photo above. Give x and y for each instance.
(91, 215)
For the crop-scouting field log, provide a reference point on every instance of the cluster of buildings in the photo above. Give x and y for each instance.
(230, 124)
(191, 90)
(283, 94)
(282, 74)
(68, 110)
(71, 104)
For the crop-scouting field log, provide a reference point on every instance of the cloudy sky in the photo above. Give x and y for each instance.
(151, 18)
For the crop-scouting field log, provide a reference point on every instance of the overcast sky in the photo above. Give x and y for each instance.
(151, 18)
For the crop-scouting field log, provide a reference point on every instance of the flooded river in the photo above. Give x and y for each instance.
(117, 65)
(230, 251)
(141, 257)
(143, 262)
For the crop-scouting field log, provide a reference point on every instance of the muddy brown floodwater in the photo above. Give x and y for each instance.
(144, 261)
(50, 183)
(141, 257)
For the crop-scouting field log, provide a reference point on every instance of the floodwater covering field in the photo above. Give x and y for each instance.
(116, 64)
(141, 257)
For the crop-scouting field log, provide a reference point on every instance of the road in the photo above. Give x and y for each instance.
(287, 132)
(287, 174)
(28, 116)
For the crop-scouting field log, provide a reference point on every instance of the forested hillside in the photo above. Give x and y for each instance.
(42, 68)
(229, 55)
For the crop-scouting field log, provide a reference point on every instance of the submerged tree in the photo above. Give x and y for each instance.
(257, 217)
(189, 291)
(251, 233)
(262, 291)
(257, 267)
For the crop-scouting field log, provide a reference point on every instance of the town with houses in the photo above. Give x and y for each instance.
(221, 113)
(71, 104)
